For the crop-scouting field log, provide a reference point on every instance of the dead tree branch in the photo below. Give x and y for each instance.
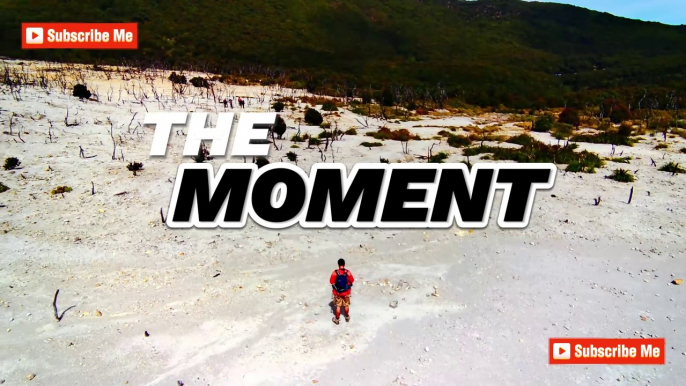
(54, 306)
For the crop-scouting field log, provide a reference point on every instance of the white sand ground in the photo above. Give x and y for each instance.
(578, 270)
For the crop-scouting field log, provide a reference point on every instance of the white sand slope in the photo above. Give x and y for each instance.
(251, 306)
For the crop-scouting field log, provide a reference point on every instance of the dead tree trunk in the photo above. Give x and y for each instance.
(114, 142)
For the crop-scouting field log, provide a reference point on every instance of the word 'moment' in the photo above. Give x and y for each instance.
(280, 195)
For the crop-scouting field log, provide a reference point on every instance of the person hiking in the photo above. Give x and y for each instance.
(241, 102)
(226, 103)
(231, 102)
(341, 282)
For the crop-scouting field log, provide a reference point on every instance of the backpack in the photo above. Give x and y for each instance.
(341, 283)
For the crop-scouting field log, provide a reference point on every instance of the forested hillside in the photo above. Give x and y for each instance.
(487, 52)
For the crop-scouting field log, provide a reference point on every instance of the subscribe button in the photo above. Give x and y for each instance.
(103, 36)
(588, 351)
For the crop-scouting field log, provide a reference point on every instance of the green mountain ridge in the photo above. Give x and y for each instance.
(487, 52)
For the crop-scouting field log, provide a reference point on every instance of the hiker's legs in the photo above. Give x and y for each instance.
(347, 311)
(338, 312)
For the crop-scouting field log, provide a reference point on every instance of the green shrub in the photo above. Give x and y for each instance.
(579, 167)
(562, 130)
(177, 79)
(61, 189)
(661, 146)
(366, 97)
(439, 158)
(11, 163)
(616, 110)
(313, 117)
(608, 137)
(621, 175)
(672, 168)
(329, 106)
(261, 161)
(325, 134)
(298, 85)
(3, 188)
(539, 152)
(325, 125)
(200, 82)
(386, 98)
(604, 126)
(134, 167)
(278, 107)
(280, 126)
(625, 130)
(458, 141)
(298, 138)
(291, 156)
(570, 116)
(621, 160)
(314, 141)
(371, 144)
(351, 132)
(521, 139)
(360, 110)
(543, 124)
(397, 135)
(80, 91)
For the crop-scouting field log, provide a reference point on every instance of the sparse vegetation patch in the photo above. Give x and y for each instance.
(134, 167)
(261, 161)
(61, 190)
(11, 163)
(458, 141)
(533, 151)
(397, 135)
(621, 175)
(672, 167)
(439, 158)
(608, 137)
(621, 160)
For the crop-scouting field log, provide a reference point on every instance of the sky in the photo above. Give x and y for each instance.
(663, 11)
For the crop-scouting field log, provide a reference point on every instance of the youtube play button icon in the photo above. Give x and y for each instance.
(562, 351)
(34, 36)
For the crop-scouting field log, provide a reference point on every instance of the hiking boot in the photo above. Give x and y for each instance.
(335, 320)
(347, 318)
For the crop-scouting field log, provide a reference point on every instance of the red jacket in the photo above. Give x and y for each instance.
(332, 280)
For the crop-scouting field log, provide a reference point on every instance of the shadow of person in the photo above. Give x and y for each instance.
(333, 307)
